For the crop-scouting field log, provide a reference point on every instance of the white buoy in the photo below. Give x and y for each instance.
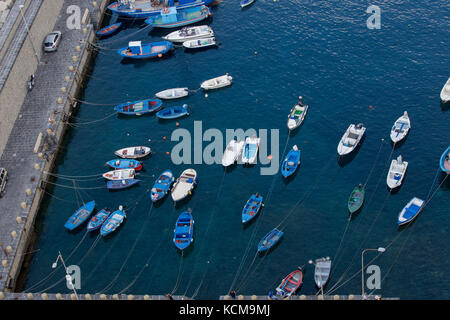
(147, 297)
(44, 296)
(103, 296)
(87, 296)
(14, 234)
(19, 220)
(58, 296)
(2, 295)
(206, 95)
(9, 249)
(5, 263)
(30, 296)
(336, 297)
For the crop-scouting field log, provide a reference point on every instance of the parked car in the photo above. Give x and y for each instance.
(3, 179)
(51, 41)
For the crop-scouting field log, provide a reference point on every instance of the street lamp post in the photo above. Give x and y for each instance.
(29, 33)
(380, 249)
(68, 277)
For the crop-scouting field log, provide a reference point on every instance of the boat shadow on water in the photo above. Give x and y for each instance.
(446, 183)
(346, 159)
(397, 145)
(186, 251)
(198, 50)
(445, 106)
(355, 215)
(230, 168)
(289, 179)
(268, 251)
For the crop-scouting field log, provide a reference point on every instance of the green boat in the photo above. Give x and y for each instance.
(356, 199)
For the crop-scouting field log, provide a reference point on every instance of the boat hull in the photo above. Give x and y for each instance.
(109, 30)
(138, 108)
(80, 216)
(113, 222)
(356, 199)
(184, 185)
(252, 208)
(410, 211)
(291, 163)
(184, 231)
(149, 50)
(97, 220)
(270, 240)
(444, 162)
(185, 17)
(162, 186)
(133, 152)
(173, 112)
(121, 184)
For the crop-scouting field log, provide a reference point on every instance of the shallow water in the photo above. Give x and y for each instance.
(347, 74)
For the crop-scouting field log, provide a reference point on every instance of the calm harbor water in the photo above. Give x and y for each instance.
(347, 74)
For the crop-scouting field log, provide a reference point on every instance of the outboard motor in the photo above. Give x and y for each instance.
(30, 83)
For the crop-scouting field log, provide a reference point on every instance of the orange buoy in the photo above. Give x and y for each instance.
(167, 152)
(164, 138)
(269, 157)
(159, 55)
(177, 124)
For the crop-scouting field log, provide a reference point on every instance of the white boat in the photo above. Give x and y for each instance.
(245, 3)
(351, 138)
(216, 83)
(445, 92)
(296, 116)
(133, 152)
(121, 174)
(173, 93)
(250, 151)
(184, 185)
(322, 271)
(190, 33)
(232, 152)
(199, 43)
(410, 211)
(396, 173)
(401, 128)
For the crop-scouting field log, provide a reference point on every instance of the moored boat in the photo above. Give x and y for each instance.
(269, 240)
(184, 230)
(200, 43)
(250, 151)
(410, 211)
(245, 3)
(252, 207)
(190, 33)
(401, 128)
(356, 199)
(80, 215)
(351, 139)
(173, 112)
(289, 285)
(140, 107)
(444, 162)
(232, 152)
(162, 186)
(445, 92)
(98, 219)
(322, 271)
(121, 174)
(138, 50)
(296, 116)
(216, 83)
(291, 162)
(184, 185)
(174, 93)
(109, 30)
(113, 221)
(121, 184)
(133, 152)
(396, 173)
(172, 17)
(118, 164)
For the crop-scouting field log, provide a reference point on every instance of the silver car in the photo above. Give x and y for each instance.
(51, 41)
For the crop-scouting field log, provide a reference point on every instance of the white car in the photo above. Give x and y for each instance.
(51, 41)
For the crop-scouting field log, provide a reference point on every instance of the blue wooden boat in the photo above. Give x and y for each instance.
(138, 108)
(184, 230)
(173, 112)
(252, 207)
(174, 18)
(269, 240)
(113, 221)
(80, 216)
(97, 220)
(138, 50)
(148, 8)
(121, 184)
(445, 161)
(291, 162)
(162, 186)
(410, 211)
(109, 30)
(118, 164)
(245, 3)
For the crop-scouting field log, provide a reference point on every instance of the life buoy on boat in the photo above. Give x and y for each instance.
(252, 213)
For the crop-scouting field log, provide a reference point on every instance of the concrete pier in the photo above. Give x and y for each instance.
(309, 297)
(87, 296)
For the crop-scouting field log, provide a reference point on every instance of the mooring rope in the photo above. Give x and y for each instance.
(180, 268)
(77, 124)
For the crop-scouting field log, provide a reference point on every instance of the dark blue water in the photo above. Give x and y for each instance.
(347, 74)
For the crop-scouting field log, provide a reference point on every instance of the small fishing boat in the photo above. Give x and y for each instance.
(121, 184)
(138, 108)
(133, 152)
(174, 93)
(232, 152)
(109, 30)
(216, 83)
(184, 185)
(356, 199)
(120, 174)
(410, 211)
(97, 220)
(401, 128)
(250, 150)
(200, 43)
(445, 161)
(291, 162)
(296, 116)
(80, 215)
(172, 17)
(113, 221)
(173, 112)
(445, 92)
(162, 185)
(322, 271)
(252, 207)
(270, 240)
(351, 138)
(190, 33)
(118, 164)
(289, 285)
(396, 173)
(245, 3)
(184, 230)
(138, 50)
